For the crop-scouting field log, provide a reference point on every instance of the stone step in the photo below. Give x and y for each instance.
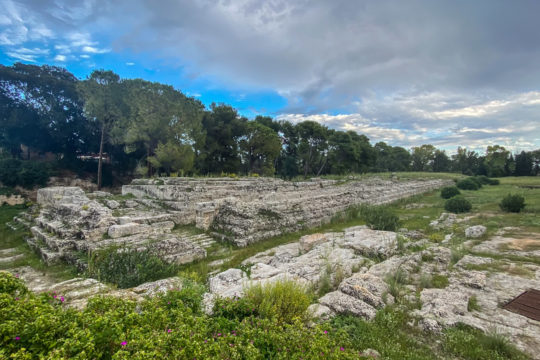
(8, 259)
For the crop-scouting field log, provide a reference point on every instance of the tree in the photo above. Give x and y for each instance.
(496, 161)
(160, 113)
(173, 156)
(224, 129)
(40, 108)
(441, 161)
(312, 146)
(466, 162)
(261, 145)
(105, 106)
(422, 157)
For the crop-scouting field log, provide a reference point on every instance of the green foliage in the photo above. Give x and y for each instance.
(477, 181)
(472, 304)
(512, 203)
(284, 300)
(468, 184)
(396, 282)
(164, 327)
(23, 173)
(173, 156)
(494, 182)
(380, 217)
(11, 285)
(457, 204)
(128, 267)
(469, 343)
(449, 191)
(439, 281)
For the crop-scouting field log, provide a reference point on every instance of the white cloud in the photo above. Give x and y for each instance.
(60, 58)
(94, 50)
(25, 54)
(130, 63)
(84, 56)
(78, 39)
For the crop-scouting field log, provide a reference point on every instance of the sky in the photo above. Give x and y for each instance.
(448, 72)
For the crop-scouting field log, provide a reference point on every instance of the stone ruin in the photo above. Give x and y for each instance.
(68, 223)
(247, 210)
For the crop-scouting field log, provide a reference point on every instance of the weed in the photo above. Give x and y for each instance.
(472, 304)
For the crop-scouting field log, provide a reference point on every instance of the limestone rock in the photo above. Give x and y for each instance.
(159, 286)
(370, 242)
(228, 283)
(112, 204)
(445, 220)
(320, 312)
(475, 231)
(307, 242)
(116, 231)
(345, 304)
(368, 288)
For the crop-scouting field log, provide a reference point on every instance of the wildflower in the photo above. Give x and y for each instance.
(342, 348)
(61, 298)
(124, 343)
(325, 331)
(16, 275)
(169, 330)
(17, 338)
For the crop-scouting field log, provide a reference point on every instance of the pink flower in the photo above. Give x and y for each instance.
(61, 298)
(342, 348)
(326, 332)
(17, 338)
(169, 330)
(16, 275)
(124, 343)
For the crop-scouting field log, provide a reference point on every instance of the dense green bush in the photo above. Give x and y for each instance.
(282, 300)
(27, 174)
(512, 203)
(494, 182)
(449, 191)
(128, 267)
(467, 184)
(380, 218)
(457, 204)
(477, 181)
(164, 327)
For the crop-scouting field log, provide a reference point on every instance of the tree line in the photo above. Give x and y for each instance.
(146, 128)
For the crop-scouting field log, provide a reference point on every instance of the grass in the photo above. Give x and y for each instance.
(391, 334)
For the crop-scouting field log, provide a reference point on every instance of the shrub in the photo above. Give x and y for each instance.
(127, 267)
(483, 179)
(380, 218)
(449, 191)
(27, 174)
(467, 184)
(11, 285)
(512, 203)
(282, 300)
(477, 181)
(494, 182)
(457, 204)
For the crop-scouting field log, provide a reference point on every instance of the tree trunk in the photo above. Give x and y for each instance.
(322, 167)
(100, 161)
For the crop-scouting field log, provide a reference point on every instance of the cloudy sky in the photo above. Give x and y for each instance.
(451, 73)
